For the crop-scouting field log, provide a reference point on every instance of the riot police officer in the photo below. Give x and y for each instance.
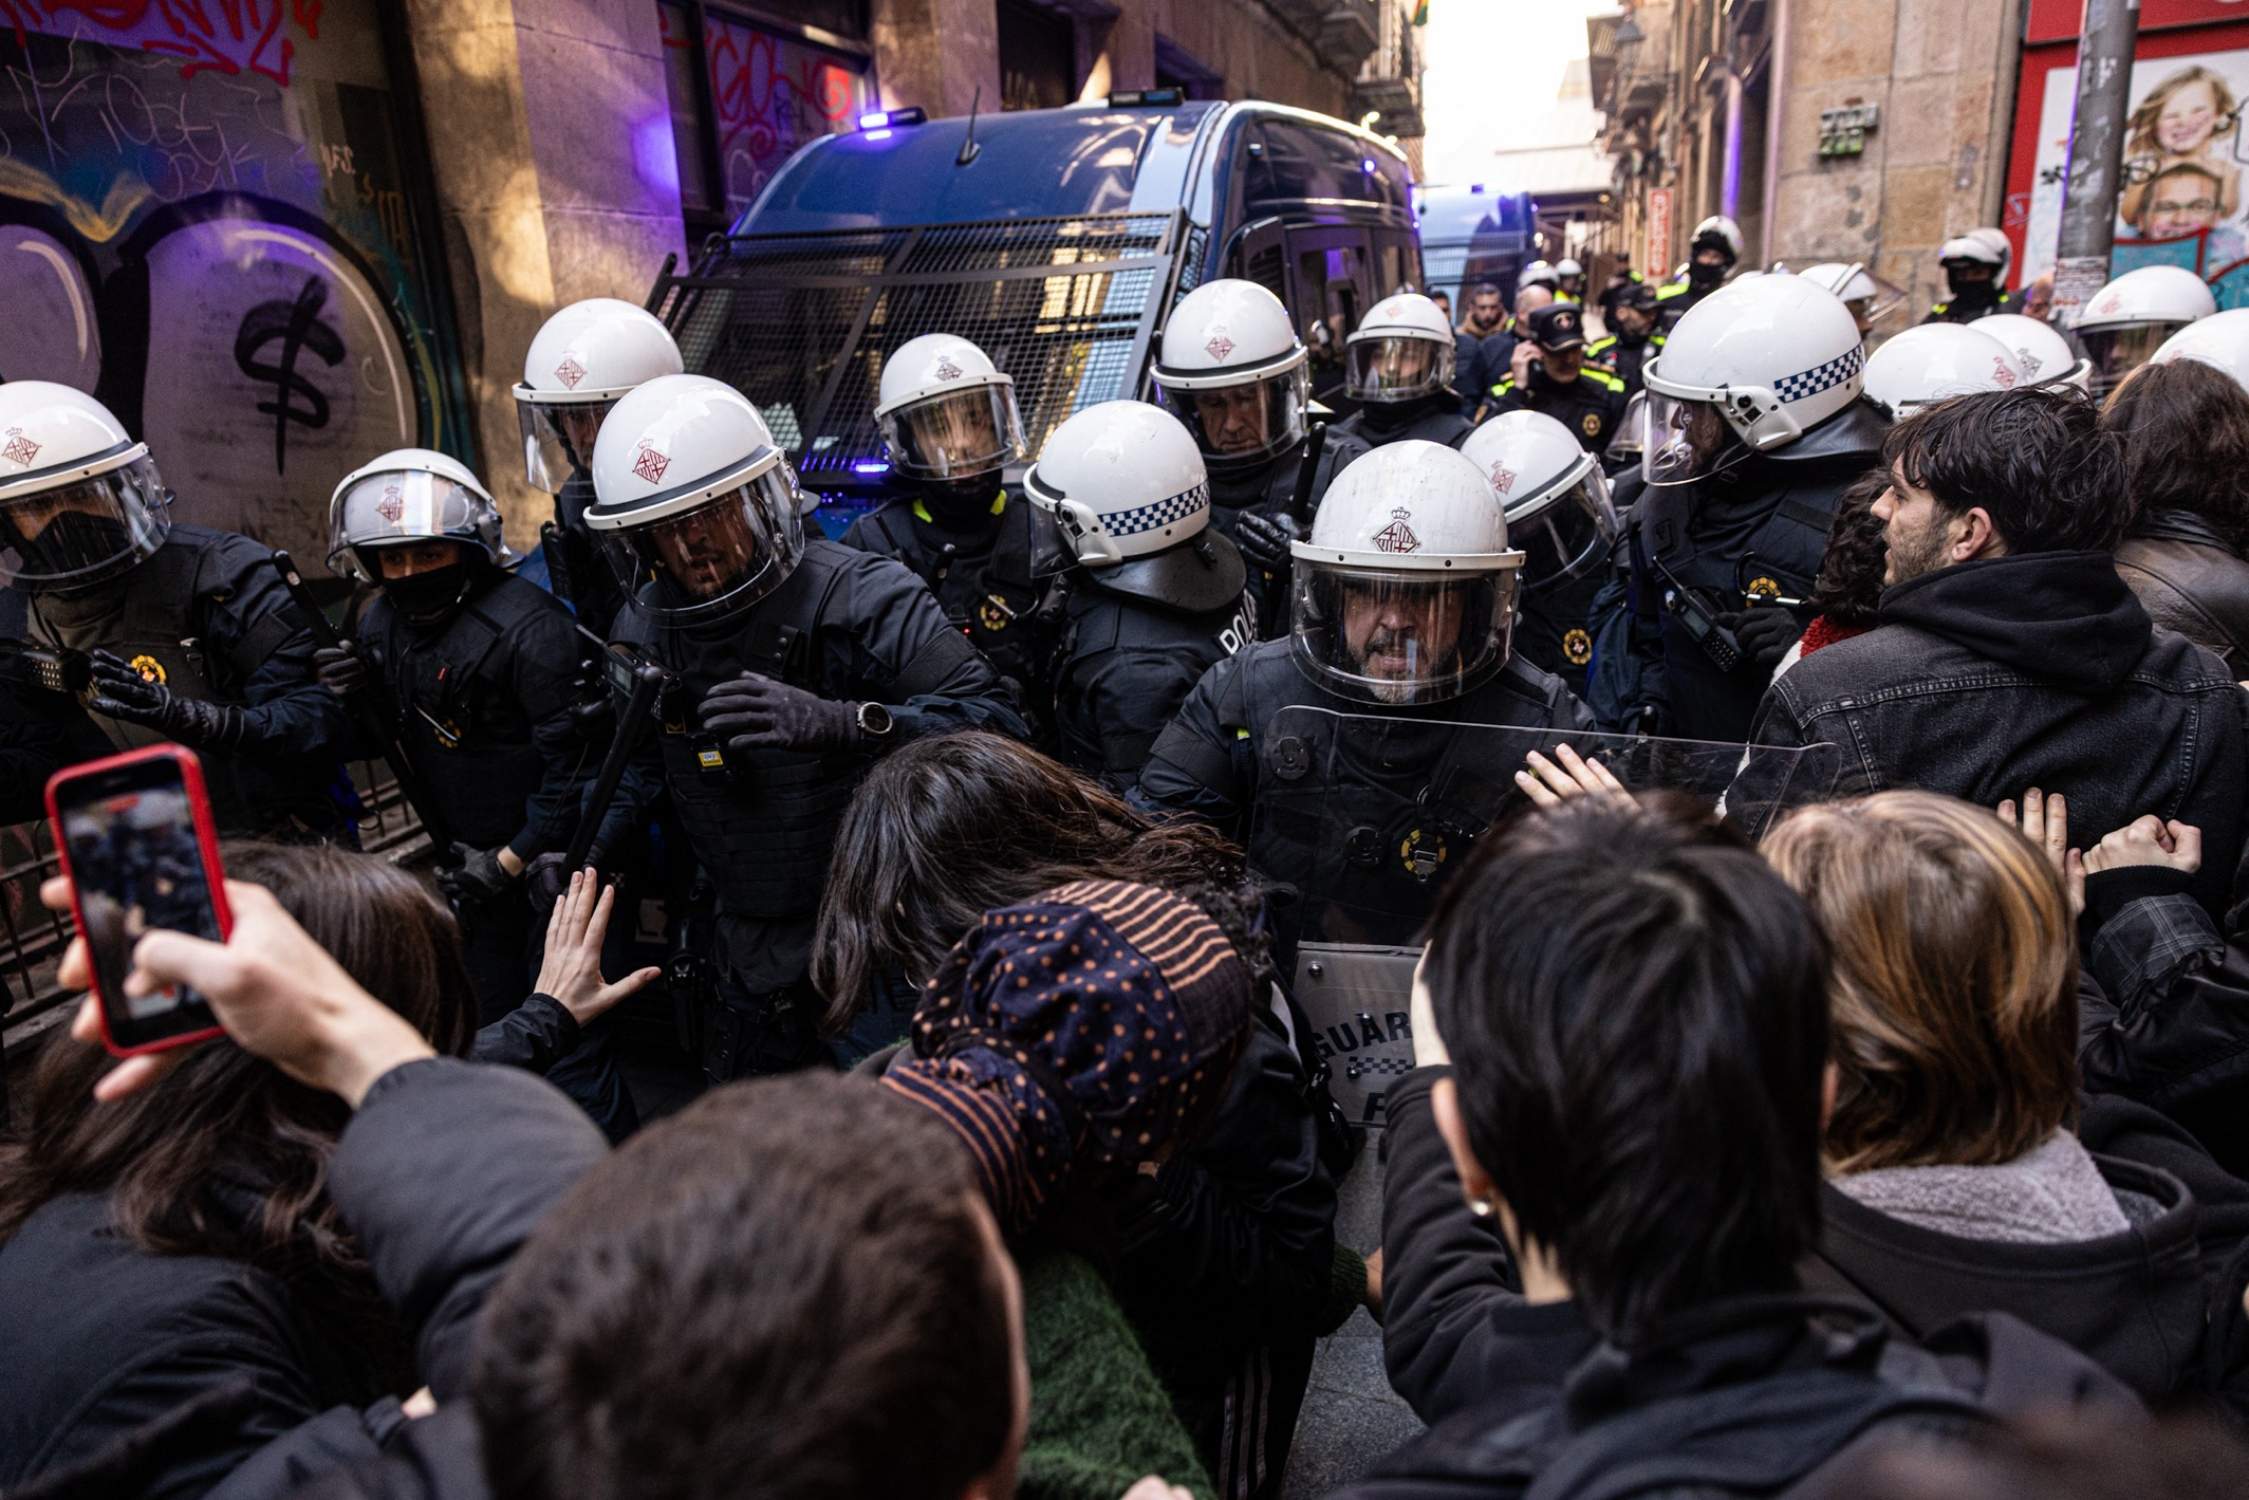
(1399, 368)
(193, 637)
(1755, 429)
(1632, 336)
(1975, 266)
(1403, 607)
(580, 364)
(2129, 319)
(1569, 281)
(1158, 593)
(475, 668)
(792, 663)
(1556, 500)
(1583, 397)
(1711, 256)
(1934, 362)
(950, 425)
(1867, 298)
(1233, 373)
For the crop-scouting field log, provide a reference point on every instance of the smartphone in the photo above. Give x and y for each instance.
(141, 851)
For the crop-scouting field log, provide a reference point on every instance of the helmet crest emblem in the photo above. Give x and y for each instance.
(946, 369)
(19, 449)
(569, 372)
(1398, 536)
(392, 505)
(1219, 346)
(1503, 479)
(2002, 374)
(650, 465)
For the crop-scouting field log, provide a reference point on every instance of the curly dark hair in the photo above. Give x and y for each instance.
(946, 829)
(1849, 586)
(2185, 430)
(2035, 459)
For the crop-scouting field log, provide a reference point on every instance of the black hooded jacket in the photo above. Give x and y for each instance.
(1990, 677)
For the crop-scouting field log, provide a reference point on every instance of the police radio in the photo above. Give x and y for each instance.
(58, 670)
(1700, 621)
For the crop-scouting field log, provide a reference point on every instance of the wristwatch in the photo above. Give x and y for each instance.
(874, 720)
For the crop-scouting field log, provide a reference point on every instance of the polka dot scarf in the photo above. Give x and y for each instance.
(1086, 1028)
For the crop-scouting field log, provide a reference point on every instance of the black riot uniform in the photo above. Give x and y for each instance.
(1590, 406)
(844, 625)
(578, 573)
(1129, 658)
(1220, 760)
(1435, 419)
(1969, 308)
(1266, 490)
(997, 583)
(1622, 357)
(1675, 299)
(204, 617)
(1759, 527)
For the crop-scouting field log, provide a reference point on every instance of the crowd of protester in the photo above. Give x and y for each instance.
(1888, 1145)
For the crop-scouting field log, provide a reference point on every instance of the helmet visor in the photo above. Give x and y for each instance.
(81, 534)
(1681, 441)
(2119, 350)
(1565, 535)
(558, 440)
(1400, 637)
(1241, 426)
(1396, 367)
(955, 434)
(705, 564)
(404, 506)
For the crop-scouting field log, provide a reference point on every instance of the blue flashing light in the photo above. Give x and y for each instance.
(880, 135)
(876, 467)
(885, 119)
(1366, 164)
(874, 119)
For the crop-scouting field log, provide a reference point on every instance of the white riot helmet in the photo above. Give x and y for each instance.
(2128, 320)
(1553, 493)
(1767, 359)
(1405, 591)
(1867, 296)
(80, 501)
(409, 495)
(1719, 231)
(1125, 484)
(947, 414)
(695, 509)
(1231, 369)
(1538, 273)
(1401, 351)
(1985, 247)
(2042, 353)
(1935, 362)
(2222, 339)
(581, 363)
(1567, 267)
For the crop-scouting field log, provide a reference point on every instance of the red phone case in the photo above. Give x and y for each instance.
(206, 841)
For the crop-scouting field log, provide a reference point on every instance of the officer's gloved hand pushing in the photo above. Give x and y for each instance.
(192, 637)
(791, 661)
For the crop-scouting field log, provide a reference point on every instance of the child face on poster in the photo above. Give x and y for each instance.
(2189, 118)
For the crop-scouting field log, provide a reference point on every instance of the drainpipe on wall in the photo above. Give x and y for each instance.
(1776, 119)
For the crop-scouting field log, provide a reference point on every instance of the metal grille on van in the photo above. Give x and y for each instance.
(800, 323)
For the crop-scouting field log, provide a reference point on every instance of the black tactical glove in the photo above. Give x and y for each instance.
(1264, 540)
(341, 670)
(120, 692)
(476, 876)
(1765, 633)
(546, 880)
(757, 713)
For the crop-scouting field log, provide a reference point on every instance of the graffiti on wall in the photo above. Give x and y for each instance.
(769, 95)
(204, 222)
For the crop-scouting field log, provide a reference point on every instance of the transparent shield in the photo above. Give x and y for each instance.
(1396, 368)
(558, 440)
(2117, 351)
(1363, 818)
(1242, 426)
(1681, 441)
(78, 535)
(706, 564)
(1568, 535)
(955, 435)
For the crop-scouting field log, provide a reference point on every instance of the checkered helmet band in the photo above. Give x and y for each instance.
(1819, 378)
(1159, 514)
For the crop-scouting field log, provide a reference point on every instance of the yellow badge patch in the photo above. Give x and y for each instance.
(1423, 851)
(149, 667)
(1592, 424)
(1577, 646)
(1763, 587)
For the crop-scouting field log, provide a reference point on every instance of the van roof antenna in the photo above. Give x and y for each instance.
(969, 149)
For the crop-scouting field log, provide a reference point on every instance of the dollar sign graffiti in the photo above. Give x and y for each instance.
(297, 324)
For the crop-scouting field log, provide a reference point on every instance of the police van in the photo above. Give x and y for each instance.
(1056, 239)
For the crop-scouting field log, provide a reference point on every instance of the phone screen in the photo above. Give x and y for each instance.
(137, 863)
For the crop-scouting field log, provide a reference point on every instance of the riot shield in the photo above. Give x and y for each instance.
(1360, 818)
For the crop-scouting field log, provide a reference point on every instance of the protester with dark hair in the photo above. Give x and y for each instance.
(2008, 653)
(1957, 1182)
(1636, 1010)
(2184, 426)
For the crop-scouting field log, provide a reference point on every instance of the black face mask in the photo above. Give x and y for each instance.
(1705, 277)
(70, 543)
(423, 594)
(1972, 293)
